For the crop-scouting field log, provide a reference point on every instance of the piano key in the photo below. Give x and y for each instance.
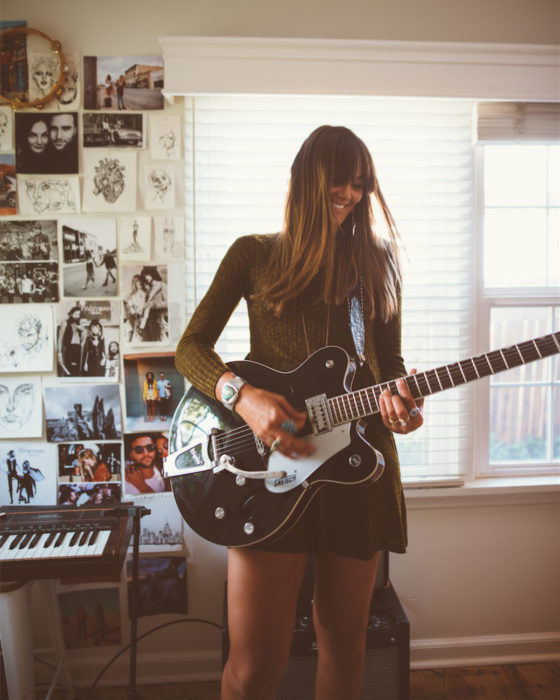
(86, 549)
(38, 549)
(25, 541)
(75, 538)
(13, 549)
(6, 546)
(16, 540)
(35, 540)
(3, 537)
(60, 538)
(84, 538)
(100, 543)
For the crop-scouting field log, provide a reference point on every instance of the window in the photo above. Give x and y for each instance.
(519, 300)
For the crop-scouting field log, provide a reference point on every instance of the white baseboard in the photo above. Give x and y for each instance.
(484, 650)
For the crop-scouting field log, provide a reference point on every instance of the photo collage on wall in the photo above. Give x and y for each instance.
(91, 246)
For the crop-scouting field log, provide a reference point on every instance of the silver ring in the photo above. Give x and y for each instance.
(275, 444)
(414, 412)
(289, 426)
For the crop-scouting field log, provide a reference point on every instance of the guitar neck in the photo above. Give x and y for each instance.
(365, 402)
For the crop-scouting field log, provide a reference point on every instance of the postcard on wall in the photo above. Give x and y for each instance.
(162, 529)
(88, 339)
(44, 69)
(8, 185)
(14, 48)
(123, 82)
(47, 143)
(153, 389)
(144, 453)
(91, 617)
(27, 473)
(6, 129)
(159, 187)
(80, 462)
(84, 494)
(135, 238)
(90, 412)
(28, 240)
(163, 585)
(144, 294)
(109, 180)
(48, 194)
(109, 130)
(89, 253)
(69, 97)
(21, 407)
(35, 282)
(165, 137)
(169, 238)
(26, 338)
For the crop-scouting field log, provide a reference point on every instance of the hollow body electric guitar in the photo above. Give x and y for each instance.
(233, 491)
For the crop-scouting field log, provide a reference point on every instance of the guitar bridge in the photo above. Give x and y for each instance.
(318, 412)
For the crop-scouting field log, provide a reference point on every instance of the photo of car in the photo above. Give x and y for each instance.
(8, 192)
(112, 130)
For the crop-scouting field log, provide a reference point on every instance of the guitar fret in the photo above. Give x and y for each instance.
(469, 370)
(456, 374)
(497, 361)
(422, 378)
(335, 410)
(504, 358)
(528, 352)
(555, 341)
(429, 375)
(482, 366)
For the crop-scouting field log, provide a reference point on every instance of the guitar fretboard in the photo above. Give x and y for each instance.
(365, 402)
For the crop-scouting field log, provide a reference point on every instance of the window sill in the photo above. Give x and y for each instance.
(485, 492)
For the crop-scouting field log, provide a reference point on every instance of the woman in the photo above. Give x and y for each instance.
(87, 461)
(90, 269)
(134, 305)
(93, 352)
(299, 286)
(150, 396)
(31, 154)
(153, 324)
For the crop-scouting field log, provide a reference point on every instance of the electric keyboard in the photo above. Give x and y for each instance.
(57, 541)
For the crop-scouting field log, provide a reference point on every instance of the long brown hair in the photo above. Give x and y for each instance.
(307, 246)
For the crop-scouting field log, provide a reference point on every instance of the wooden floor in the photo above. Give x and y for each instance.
(522, 682)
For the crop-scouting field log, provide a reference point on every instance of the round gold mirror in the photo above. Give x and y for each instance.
(32, 73)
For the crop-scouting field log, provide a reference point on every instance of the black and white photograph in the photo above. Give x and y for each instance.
(162, 529)
(88, 494)
(87, 412)
(165, 137)
(144, 453)
(169, 237)
(48, 194)
(159, 184)
(153, 389)
(110, 130)
(90, 257)
(8, 185)
(47, 143)
(88, 339)
(123, 82)
(80, 462)
(21, 407)
(28, 473)
(6, 129)
(162, 583)
(30, 282)
(91, 617)
(26, 338)
(145, 304)
(135, 238)
(28, 240)
(109, 180)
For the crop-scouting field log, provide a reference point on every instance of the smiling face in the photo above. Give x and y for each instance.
(344, 197)
(38, 137)
(143, 452)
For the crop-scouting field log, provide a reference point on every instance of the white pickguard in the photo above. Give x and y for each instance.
(299, 469)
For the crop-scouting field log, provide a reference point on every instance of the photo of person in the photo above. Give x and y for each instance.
(82, 494)
(28, 240)
(143, 469)
(162, 583)
(21, 407)
(48, 194)
(26, 337)
(123, 82)
(92, 413)
(145, 305)
(6, 129)
(113, 130)
(8, 185)
(47, 143)
(89, 254)
(109, 180)
(134, 238)
(23, 283)
(27, 473)
(153, 389)
(89, 461)
(91, 617)
(169, 237)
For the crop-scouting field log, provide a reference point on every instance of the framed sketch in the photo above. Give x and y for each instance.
(109, 180)
(21, 407)
(165, 137)
(69, 97)
(26, 338)
(135, 238)
(48, 194)
(159, 183)
(27, 473)
(169, 238)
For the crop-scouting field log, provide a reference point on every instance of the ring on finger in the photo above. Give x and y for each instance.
(275, 444)
(289, 426)
(394, 422)
(415, 412)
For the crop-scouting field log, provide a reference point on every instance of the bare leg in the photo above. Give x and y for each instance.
(343, 591)
(262, 595)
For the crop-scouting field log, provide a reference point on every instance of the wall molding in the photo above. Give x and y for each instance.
(237, 65)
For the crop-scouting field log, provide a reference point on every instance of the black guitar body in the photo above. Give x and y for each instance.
(233, 510)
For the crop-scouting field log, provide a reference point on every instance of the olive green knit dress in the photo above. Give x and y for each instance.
(354, 520)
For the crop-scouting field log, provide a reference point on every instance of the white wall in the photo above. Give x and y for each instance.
(480, 580)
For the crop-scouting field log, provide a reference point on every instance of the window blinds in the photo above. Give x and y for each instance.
(518, 121)
(239, 150)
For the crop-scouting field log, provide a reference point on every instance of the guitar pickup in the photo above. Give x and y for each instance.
(318, 412)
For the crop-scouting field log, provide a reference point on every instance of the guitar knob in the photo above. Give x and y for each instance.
(240, 480)
(220, 513)
(355, 460)
(249, 528)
